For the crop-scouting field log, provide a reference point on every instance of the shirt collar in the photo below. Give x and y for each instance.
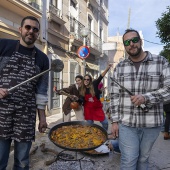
(149, 57)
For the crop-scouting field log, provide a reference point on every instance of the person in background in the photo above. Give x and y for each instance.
(114, 145)
(167, 121)
(74, 91)
(147, 76)
(91, 95)
(19, 61)
(100, 86)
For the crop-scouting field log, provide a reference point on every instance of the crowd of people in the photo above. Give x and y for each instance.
(136, 118)
(87, 93)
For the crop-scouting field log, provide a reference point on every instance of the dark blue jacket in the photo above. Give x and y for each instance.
(8, 46)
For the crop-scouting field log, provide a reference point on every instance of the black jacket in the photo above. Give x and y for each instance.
(167, 107)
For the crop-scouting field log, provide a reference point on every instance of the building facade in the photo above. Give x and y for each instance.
(61, 24)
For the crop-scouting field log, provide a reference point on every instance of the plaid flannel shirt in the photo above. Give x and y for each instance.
(152, 81)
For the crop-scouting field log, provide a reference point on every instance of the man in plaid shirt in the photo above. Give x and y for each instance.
(137, 115)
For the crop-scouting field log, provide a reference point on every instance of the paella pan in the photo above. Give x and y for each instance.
(77, 136)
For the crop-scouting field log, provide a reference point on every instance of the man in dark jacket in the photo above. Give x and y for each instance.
(167, 121)
(19, 61)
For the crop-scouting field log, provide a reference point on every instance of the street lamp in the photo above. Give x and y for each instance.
(84, 32)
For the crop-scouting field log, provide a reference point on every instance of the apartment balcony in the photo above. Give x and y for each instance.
(23, 7)
(55, 14)
(101, 9)
(95, 3)
(35, 5)
(73, 12)
(92, 40)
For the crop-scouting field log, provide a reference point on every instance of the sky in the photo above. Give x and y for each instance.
(143, 15)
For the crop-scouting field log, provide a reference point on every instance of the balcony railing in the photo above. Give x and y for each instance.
(54, 10)
(35, 5)
(95, 3)
(95, 41)
(92, 40)
(56, 15)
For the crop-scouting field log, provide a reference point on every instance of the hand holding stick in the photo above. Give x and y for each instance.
(142, 106)
(56, 65)
(73, 97)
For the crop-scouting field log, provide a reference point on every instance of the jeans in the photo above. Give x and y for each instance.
(135, 145)
(104, 123)
(115, 144)
(21, 154)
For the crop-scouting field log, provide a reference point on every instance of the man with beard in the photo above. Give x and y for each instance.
(137, 115)
(19, 61)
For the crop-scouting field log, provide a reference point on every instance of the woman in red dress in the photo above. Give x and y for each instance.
(92, 106)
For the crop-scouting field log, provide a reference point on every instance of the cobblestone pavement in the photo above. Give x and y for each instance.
(89, 162)
(159, 158)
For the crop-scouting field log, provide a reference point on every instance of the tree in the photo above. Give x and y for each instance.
(166, 53)
(163, 27)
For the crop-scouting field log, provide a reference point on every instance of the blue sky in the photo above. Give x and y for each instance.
(144, 13)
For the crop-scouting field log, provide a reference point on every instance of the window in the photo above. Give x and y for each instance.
(54, 80)
(74, 70)
(72, 25)
(91, 8)
(54, 2)
(90, 28)
(101, 31)
(35, 4)
(73, 4)
(89, 22)
(101, 2)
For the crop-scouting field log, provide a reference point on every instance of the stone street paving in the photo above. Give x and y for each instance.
(43, 155)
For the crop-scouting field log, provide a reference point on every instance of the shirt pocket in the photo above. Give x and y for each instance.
(126, 80)
(153, 82)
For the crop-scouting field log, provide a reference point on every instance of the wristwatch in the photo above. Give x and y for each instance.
(114, 122)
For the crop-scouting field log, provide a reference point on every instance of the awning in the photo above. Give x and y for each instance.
(92, 66)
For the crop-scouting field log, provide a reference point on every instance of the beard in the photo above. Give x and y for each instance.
(28, 40)
(136, 54)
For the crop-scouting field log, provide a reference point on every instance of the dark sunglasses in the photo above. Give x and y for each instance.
(29, 27)
(87, 79)
(134, 40)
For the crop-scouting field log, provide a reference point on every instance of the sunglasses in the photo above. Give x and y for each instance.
(134, 40)
(29, 27)
(87, 79)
